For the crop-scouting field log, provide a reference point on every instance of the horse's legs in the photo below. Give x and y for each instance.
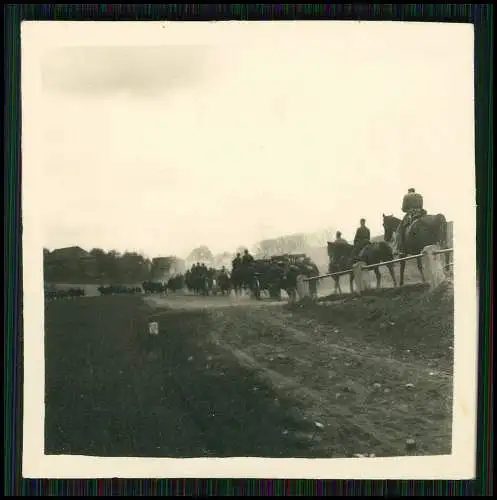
(420, 267)
(392, 274)
(378, 277)
(402, 269)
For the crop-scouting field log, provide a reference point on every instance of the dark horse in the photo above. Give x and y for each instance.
(340, 259)
(224, 283)
(237, 280)
(377, 252)
(245, 278)
(251, 280)
(343, 256)
(424, 231)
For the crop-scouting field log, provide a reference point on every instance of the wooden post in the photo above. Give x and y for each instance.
(302, 287)
(432, 264)
(358, 276)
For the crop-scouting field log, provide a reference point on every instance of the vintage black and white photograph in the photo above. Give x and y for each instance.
(252, 241)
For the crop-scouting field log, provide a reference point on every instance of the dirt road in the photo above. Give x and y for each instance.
(245, 378)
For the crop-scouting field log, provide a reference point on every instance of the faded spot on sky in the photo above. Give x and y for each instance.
(138, 71)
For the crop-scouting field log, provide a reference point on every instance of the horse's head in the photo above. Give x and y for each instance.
(390, 225)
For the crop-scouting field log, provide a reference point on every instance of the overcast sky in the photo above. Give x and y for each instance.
(252, 133)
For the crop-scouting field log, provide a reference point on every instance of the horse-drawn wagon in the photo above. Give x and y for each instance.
(280, 272)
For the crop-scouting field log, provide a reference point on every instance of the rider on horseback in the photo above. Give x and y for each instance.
(362, 237)
(339, 240)
(247, 259)
(236, 262)
(412, 206)
(248, 267)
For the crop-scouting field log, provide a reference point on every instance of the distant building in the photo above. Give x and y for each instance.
(177, 266)
(68, 253)
(68, 263)
(163, 268)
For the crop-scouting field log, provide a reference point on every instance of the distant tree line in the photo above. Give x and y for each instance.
(75, 265)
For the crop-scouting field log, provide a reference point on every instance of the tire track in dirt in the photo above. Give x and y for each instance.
(358, 351)
(378, 431)
(295, 388)
(218, 393)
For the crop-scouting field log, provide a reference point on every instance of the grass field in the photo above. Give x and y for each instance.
(333, 379)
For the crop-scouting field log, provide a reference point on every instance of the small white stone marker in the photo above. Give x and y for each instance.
(410, 444)
(153, 328)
